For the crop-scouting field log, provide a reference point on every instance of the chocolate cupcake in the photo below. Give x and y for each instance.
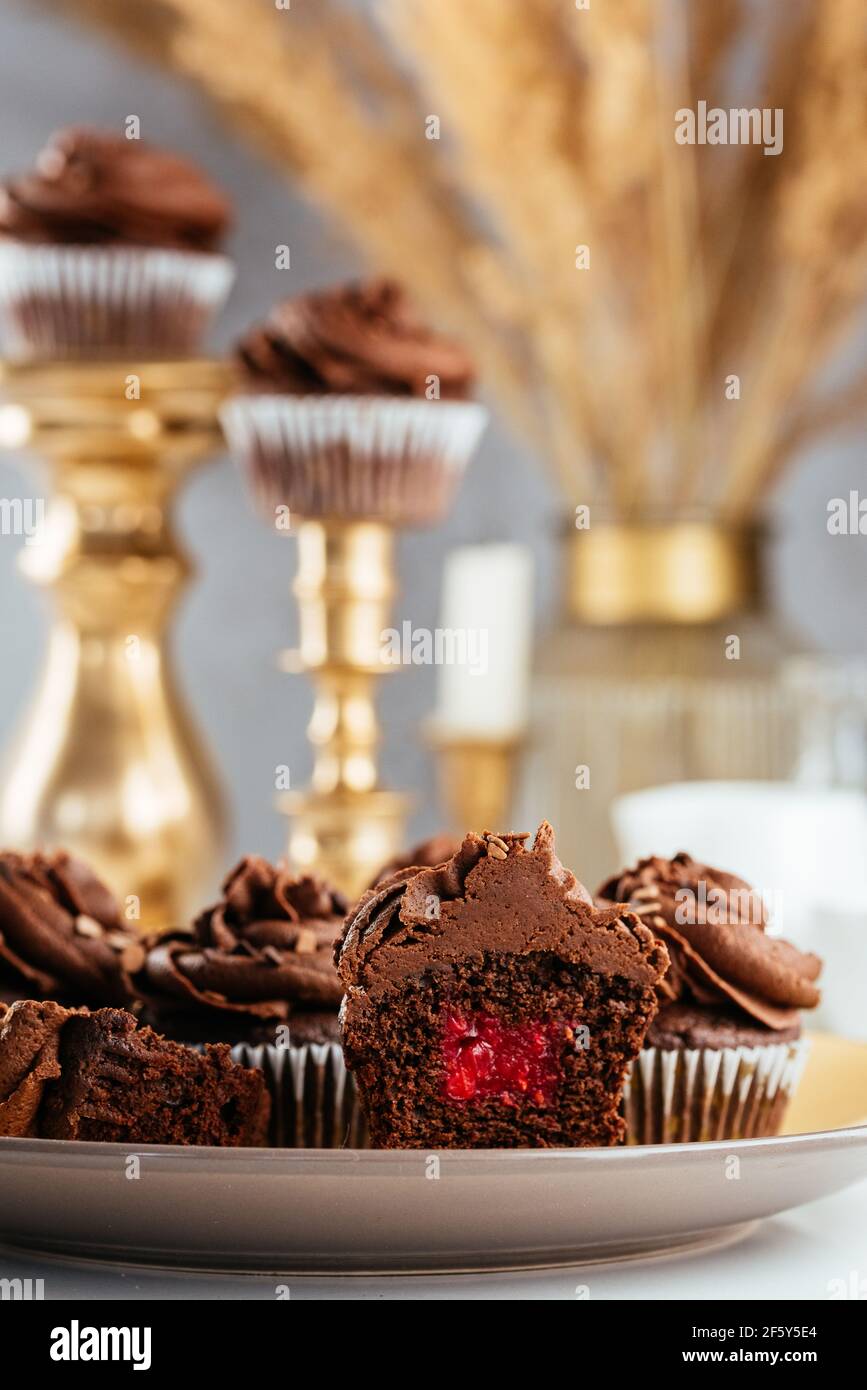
(350, 407)
(256, 970)
(61, 934)
(724, 1054)
(489, 1004)
(110, 246)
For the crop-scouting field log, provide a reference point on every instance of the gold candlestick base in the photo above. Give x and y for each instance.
(345, 826)
(108, 764)
(476, 779)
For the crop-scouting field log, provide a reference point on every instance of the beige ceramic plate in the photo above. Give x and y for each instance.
(320, 1210)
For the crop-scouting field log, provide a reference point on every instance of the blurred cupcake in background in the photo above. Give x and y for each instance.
(62, 936)
(257, 971)
(427, 854)
(350, 407)
(110, 246)
(724, 1054)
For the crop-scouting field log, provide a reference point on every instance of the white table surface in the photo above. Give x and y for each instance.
(797, 1255)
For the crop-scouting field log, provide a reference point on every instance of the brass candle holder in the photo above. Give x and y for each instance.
(108, 764)
(345, 825)
(351, 472)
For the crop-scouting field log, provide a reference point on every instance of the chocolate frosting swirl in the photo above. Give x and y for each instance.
(94, 187)
(713, 924)
(360, 340)
(495, 895)
(265, 951)
(61, 933)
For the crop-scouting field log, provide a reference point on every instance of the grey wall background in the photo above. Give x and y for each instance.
(239, 612)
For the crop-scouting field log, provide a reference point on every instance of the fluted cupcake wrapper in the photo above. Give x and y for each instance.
(373, 458)
(82, 302)
(679, 1096)
(314, 1104)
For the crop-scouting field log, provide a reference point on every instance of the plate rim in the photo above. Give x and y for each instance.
(849, 1136)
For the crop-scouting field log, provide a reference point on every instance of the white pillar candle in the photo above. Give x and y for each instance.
(486, 619)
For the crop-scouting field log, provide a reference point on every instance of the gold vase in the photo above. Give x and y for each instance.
(665, 666)
(108, 764)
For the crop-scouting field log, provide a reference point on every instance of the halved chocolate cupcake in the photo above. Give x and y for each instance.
(76, 1074)
(490, 1005)
(723, 1055)
(256, 970)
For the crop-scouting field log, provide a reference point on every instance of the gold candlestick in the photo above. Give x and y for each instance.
(353, 471)
(108, 764)
(345, 826)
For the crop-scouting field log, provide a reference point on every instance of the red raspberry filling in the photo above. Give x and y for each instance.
(513, 1062)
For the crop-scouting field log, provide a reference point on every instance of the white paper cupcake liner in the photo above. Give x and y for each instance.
(314, 1104)
(374, 458)
(680, 1096)
(92, 301)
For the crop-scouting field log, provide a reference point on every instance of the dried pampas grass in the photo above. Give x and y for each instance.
(557, 132)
